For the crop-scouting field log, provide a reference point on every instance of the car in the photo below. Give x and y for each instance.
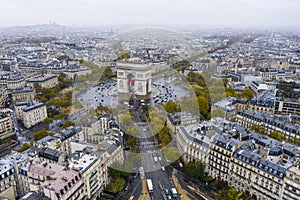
(186, 179)
(169, 197)
(166, 191)
(159, 158)
(141, 169)
(163, 169)
(126, 187)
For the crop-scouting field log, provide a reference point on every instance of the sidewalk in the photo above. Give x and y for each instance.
(181, 192)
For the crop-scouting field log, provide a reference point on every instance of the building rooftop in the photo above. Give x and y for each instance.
(45, 169)
(43, 78)
(30, 105)
(23, 90)
(81, 162)
(60, 180)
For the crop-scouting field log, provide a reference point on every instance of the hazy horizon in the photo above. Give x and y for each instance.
(215, 13)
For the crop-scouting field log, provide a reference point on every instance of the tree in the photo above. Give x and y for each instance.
(48, 121)
(217, 112)
(116, 185)
(61, 77)
(58, 116)
(133, 130)
(25, 147)
(131, 140)
(258, 128)
(118, 177)
(203, 107)
(171, 107)
(41, 134)
(124, 55)
(248, 94)
(229, 194)
(278, 136)
(171, 153)
(156, 124)
(195, 169)
(230, 92)
(164, 136)
(103, 109)
(126, 119)
(68, 124)
(114, 173)
(37, 87)
(225, 81)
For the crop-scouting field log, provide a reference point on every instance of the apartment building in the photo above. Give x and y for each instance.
(3, 96)
(193, 141)
(8, 185)
(13, 184)
(45, 81)
(287, 107)
(93, 172)
(30, 112)
(174, 120)
(48, 155)
(61, 184)
(264, 103)
(256, 175)
(291, 186)
(222, 149)
(6, 124)
(94, 130)
(66, 136)
(287, 125)
(12, 83)
(54, 180)
(23, 94)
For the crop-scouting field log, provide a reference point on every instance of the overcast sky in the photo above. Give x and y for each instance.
(192, 12)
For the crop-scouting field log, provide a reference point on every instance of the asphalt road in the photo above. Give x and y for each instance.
(153, 169)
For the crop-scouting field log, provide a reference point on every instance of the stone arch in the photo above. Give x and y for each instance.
(131, 82)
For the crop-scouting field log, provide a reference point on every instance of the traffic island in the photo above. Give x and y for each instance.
(145, 194)
(182, 193)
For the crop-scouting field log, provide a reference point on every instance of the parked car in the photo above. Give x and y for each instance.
(186, 179)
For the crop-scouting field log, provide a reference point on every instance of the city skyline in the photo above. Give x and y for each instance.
(214, 13)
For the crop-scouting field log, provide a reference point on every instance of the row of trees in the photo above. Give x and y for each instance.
(41, 134)
(25, 146)
(131, 130)
(99, 74)
(274, 134)
(123, 55)
(231, 194)
(164, 136)
(51, 96)
(181, 65)
(172, 107)
(195, 170)
(247, 93)
(118, 180)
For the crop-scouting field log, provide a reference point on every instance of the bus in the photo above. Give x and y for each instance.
(149, 185)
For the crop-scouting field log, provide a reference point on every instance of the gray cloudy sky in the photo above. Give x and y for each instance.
(192, 12)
